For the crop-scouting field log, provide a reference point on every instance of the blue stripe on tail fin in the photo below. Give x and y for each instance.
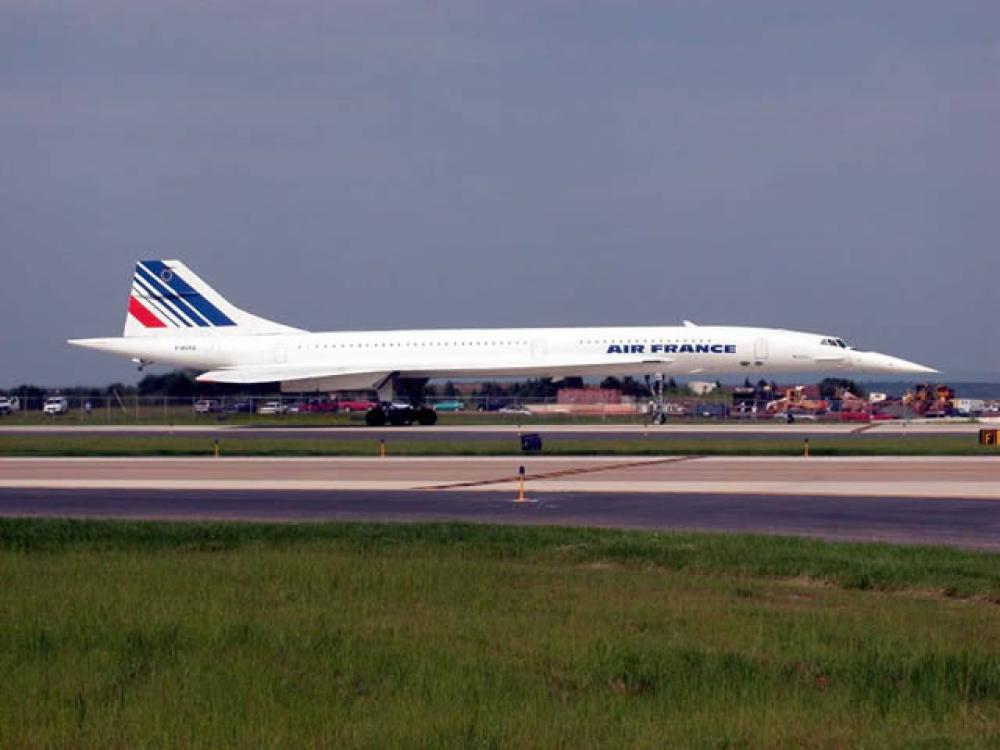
(171, 289)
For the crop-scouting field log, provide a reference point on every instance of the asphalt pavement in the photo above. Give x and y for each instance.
(953, 522)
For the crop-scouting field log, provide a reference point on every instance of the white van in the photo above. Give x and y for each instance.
(55, 405)
(9, 404)
(272, 407)
(206, 406)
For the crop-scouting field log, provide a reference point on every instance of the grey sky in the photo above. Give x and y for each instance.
(821, 166)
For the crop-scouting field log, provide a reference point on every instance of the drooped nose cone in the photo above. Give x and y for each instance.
(884, 364)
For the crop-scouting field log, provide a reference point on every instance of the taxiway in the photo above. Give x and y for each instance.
(953, 501)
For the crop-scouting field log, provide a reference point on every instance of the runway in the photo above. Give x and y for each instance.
(955, 477)
(962, 523)
(953, 501)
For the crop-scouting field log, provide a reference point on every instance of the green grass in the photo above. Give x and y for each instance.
(118, 634)
(186, 445)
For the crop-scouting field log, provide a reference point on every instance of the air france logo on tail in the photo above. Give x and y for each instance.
(161, 299)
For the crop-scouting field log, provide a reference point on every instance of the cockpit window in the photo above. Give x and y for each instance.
(835, 342)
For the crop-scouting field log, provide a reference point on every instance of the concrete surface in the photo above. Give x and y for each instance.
(962, 523)
(935, 477)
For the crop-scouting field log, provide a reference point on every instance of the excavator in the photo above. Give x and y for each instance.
(931, 401)
(795, 402)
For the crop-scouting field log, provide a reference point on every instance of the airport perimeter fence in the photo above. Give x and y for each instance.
(135, 409)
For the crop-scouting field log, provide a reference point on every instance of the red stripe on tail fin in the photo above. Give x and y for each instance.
(144, 316)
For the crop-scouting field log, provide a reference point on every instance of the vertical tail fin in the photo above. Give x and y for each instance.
(168, 297)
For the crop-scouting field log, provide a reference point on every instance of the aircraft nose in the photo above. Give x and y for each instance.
(902, 365)
(883, 363)
(914, 367)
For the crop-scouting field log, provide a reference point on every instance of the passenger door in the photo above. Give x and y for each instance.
(760, 349)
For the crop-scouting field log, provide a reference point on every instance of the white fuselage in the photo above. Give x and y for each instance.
(174, 317)
(555, 352)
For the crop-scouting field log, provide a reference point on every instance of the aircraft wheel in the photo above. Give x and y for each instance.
(375, 417)
(426, 416)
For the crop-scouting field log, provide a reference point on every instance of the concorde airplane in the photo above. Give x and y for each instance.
(176, 318)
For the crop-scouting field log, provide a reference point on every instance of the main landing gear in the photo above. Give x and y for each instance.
(389, 411)
(659, 405)
(399, 415)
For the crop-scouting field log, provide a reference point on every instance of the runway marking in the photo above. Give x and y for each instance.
(970, 477)
(560, 473)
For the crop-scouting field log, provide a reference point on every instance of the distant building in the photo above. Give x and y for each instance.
(968, 407)
(701, 387)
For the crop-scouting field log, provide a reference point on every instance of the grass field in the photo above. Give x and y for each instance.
(161, 635)
(185, 445)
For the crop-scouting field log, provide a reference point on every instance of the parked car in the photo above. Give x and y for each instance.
(450, 405)
(513, 408)
(671, 409)
(796, 416)
(9, 404)
(55, 405)
(713, 410)
(240, 407)
(272, 407)
(206, 406)
(348, 405)
(492, 404)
